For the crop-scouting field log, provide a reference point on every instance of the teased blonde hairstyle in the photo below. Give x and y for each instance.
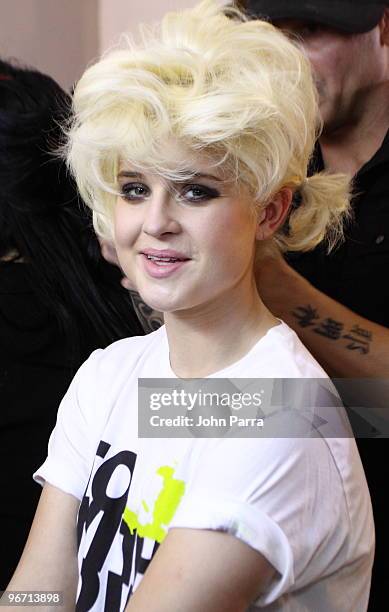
(236, 90)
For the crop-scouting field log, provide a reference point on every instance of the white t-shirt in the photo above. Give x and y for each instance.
(302, 503)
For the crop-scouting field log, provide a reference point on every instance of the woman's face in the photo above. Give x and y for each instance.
(186, 244)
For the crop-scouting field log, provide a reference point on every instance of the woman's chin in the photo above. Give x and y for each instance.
(167, 303)
(162, 304)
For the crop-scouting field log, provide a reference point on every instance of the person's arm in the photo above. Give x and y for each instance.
(344, 343)
(205, 570)
(49, 559)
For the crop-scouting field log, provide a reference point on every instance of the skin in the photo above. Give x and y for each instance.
(49, 560)
(150, 319)
(352, 72)
(149, 215)
(211, 299)
(352, 77)
(208, 301)
(205, 570)
(229, 585)
(347, 68)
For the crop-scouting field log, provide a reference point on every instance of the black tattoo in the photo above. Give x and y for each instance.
(149, 319)
(306, 315)
(330, 329)
(358, 338)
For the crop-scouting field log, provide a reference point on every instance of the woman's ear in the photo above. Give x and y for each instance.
(274, 214)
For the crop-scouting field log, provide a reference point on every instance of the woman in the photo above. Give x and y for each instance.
(188, 148)
(59, 300)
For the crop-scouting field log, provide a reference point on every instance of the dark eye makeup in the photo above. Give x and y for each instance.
(136, 191)
(198, 193)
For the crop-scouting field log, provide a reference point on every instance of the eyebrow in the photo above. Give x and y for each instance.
(139, 175)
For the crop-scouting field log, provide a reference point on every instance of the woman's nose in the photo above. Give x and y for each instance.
(160, 215)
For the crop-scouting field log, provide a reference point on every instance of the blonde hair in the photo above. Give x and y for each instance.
(235, 89)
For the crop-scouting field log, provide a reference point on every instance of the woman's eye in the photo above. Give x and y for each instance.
(134, 191)
(196, 193)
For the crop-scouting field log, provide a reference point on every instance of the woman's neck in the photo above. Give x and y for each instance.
(211, 337)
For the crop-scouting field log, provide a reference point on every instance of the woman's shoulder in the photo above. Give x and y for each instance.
(106, 367)
(128, 351)
(290, 357)
(87, 406)
(134, 345)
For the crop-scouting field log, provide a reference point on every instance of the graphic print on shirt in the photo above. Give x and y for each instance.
(115, 546)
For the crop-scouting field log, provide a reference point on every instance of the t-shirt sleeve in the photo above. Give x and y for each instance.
(72, 442)
(273, 494)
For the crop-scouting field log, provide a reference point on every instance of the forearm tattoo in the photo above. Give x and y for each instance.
(149, 319)
(354, 339)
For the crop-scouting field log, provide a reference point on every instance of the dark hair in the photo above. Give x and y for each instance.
(42, 220)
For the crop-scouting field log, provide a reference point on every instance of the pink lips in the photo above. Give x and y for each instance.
(162, 263)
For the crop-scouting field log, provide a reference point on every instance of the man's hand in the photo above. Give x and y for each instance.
(149, 318)
(108, 251)
(275, 278)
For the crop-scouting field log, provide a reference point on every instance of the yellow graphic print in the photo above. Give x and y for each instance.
(164, 508)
